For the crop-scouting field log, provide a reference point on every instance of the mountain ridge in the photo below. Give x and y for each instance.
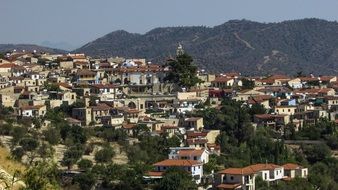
(308, 45)
(30, 48)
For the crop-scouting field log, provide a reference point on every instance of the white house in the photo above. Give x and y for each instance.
(187, 153)
(195, 168)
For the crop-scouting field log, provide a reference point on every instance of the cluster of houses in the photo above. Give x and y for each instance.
(123, 93)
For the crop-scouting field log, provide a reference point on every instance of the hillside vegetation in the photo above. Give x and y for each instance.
(308, 45)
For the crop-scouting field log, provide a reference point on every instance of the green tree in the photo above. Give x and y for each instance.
(85, 180)
(42, 176)
(176, 179)
(261, 184)
(256, 109)
(71, 156)
(17, 134)
(17, 153)
(247, 84)
(316, 153)
(182, 71)
(52, 135)
(85, 164)
(29, 144)
(104, 155)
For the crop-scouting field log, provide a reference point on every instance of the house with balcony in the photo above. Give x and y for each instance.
(193, 167)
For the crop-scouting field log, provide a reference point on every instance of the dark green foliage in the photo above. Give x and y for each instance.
(18, 133)
(316, 153)
(182, 71)
(256, 109)
(85, 164)
(52, 135)
(85, 180)
(247, 84)
(5, 111)
(72, 155)
(176, 179)
(260, 184)
(29, 144)
(104, 155)
(42, 176)
(308, 45)
(151, 149)
(17, 153)
(51, 87)
(5, 129)
(112, 135)
(75, 134)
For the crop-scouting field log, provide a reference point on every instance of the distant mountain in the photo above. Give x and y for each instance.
(29, 48)
(58, 45)
(308, 45)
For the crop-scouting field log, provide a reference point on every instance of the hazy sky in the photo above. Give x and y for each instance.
(80, 21)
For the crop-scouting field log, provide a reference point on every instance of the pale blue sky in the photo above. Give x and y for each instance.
(80, 21)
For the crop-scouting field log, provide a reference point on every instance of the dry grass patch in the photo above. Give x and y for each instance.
(9, 165)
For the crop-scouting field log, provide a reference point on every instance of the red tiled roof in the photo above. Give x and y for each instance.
(128, 126)
(7, 65)
(170, 162)
(191, 152)
(228, 186)
(31, 107)
(291, 166)
(155, 174)
(249, 169)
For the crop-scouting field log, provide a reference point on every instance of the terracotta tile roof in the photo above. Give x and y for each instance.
(128, 126)
(7, 65)
(308, 79)
(279, 77)
(228, 186)
(85, 72)
(191, 152)
(103, 86)
(237, 171)
(291, 166)
(314, 90)
(193, 134)
(65, 85)
(250, 169)
(155, 174)
(269, 116)
(31, 107)
(260, 167)
(101, 107)
(170, 162)
(326, 78)
(168, 127)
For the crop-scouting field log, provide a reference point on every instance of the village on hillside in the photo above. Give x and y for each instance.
(82, 111)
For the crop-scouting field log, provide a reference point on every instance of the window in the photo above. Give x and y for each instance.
(231, 178)
(195, 157)
(288, 110)
(265, 176)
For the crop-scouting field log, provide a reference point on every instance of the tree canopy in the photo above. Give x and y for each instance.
(182, 71)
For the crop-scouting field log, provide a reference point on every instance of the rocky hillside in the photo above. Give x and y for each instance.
(308, 45)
